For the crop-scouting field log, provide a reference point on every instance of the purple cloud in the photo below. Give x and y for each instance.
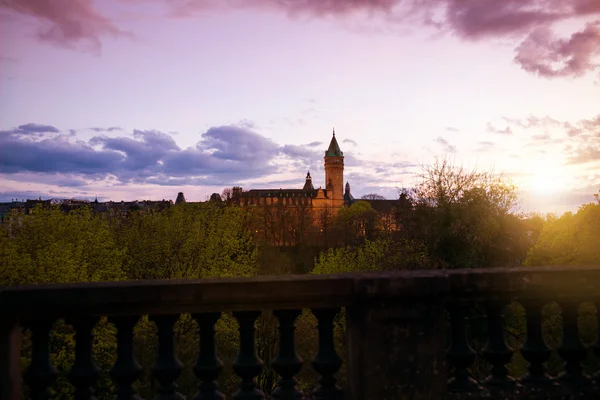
(314, 144)
(37, 128)
(69, 23)
(543, 54)
(109, 129)
(66, 22)
(149, 156)
(18, 154)
(31, 129)
(467, 19)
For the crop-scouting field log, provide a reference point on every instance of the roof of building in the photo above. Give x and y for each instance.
(348, 198)
(382, 205)
(280, 193)
(334, 148)
(308, 186)
(180, 198)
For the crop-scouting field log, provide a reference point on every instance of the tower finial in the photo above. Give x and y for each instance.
(334, 131)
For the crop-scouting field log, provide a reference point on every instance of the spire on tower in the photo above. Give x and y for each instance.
(334, 148)
(308, 184)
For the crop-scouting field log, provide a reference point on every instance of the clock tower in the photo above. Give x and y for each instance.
(334, 173)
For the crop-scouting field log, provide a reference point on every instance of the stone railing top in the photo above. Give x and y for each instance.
(296, 291)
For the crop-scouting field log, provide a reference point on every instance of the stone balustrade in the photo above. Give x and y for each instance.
(406, 333)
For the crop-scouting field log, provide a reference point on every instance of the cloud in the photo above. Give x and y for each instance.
(66, 22)
(58, 179)
(109, 129)
(316, 8)
(542, 137)
(530, 22)
(585, 141)
(350, 141)
(585, 127)
(58, 154)
(585, 153)
(233, 144)
(468, 19)
(148, 156)
(223, 156)
(533, 121)
(314, 144)
(451, 129)
(295, 152)
(579, 141)
(37, 128)
(492, 129)
(31, 129)
(485, 145)
(447, 147)
(543, 54)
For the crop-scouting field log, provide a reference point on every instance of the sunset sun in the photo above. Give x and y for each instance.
(547, 181)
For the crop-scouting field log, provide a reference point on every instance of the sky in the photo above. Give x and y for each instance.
(133, 100)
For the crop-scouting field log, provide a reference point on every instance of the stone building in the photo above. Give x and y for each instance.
(333, 196)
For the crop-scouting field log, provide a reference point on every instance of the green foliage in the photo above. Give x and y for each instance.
(464, 218)
(357, 222)
(454, 218)
(377, 255)
(185, 241)
(189, 240)
(49, 246)
(572, 239)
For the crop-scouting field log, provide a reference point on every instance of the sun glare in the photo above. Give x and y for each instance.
(546, 182)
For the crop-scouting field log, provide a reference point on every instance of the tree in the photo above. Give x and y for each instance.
(357, 222)
(572, 239)
(465, 218)
(48, 246)
(226, 194)
(190, 240)
(372, 196)
(378, 255)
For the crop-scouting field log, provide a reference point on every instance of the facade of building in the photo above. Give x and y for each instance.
(333, 196)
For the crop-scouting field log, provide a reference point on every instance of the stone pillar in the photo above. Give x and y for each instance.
(396, 341)
(10, 359)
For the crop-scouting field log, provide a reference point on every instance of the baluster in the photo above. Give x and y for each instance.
(167, 368)
(327, 362)
(208, 366)
(126, 369)
(85, 372)
(41, 373)
(496, 351)
(287, 363)
(535, 350)
(460, 354)
(11, 336)
(571, 350)
(247, 365)
(596, 345)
